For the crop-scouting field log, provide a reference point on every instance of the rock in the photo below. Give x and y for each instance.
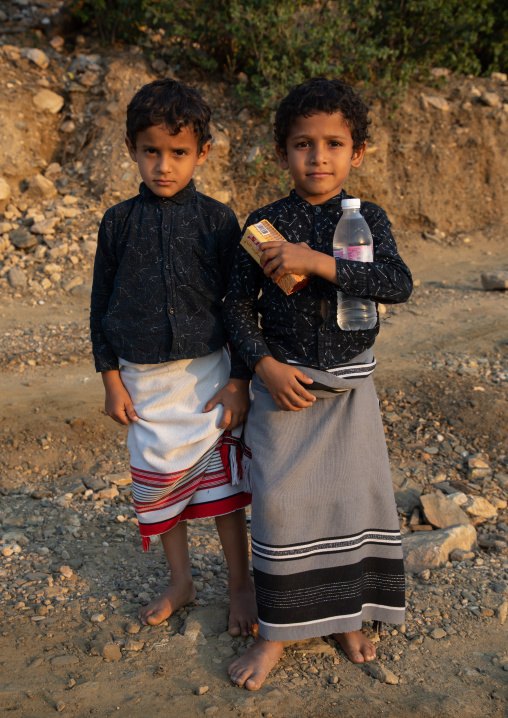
(201, 690)
(111, 652)
(432, 549)
(38, 57)
(60, 705)
(440, 512)
(66, 571)
(407, 492)
(66, 660)
(133, 628)
(438, 633)
(131, 645)
(491, 99)
(502, 611)
(478, 506)
(97, 618)
(436, 101)
(494, 280)
(22, 239)
(499, 76)
(48, 101)
(5, 190)
(382, 674)
(46, 226)
(461, 555)
(108, 493)
(192, 632)
(92, 483)
(16, 278)
(123, 478)
(159, 65)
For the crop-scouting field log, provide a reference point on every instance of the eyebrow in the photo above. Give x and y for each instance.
(155, 146)
(328, 137)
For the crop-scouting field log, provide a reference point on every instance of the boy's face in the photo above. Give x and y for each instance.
(167, 162)
(319, 154)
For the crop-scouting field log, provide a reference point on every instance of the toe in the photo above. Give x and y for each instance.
(234, 630)
(251, 684)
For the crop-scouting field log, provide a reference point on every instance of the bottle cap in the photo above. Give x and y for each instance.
(351, 204)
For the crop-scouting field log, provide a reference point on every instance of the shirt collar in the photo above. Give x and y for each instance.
(182, 197)
(300, 202)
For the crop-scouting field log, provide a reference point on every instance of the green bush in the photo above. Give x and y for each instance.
(278, 43)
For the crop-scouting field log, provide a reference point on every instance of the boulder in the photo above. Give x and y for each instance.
(431, 549)
(40, 187)
(440, 511)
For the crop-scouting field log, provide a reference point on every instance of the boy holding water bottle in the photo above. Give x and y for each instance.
(326, 545)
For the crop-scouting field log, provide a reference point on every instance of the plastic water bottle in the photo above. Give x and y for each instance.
(353, 240)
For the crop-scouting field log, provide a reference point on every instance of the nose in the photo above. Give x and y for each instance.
(318, 154)
(164, 164)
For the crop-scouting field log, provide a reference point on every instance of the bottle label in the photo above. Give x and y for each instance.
(339, 252)
(361, 253)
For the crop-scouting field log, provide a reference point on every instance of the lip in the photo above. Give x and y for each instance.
(319, 175)
(164, 183)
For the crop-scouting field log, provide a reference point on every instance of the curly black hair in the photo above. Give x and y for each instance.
(170, 103)
(322, 95)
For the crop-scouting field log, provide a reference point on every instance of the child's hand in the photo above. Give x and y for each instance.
(234, 397)
(118, 402)
(281, 258)
(284, 383)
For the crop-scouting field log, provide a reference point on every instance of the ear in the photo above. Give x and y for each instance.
(283, 157)
(203, 155)
(358, 155)
(131, 149)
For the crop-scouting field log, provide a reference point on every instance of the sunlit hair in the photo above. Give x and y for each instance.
(170, 103)
(322, 95)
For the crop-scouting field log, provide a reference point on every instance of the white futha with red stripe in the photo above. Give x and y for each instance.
(183, 466)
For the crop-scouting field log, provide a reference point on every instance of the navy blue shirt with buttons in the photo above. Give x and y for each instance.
(302, 327)
(161, 272)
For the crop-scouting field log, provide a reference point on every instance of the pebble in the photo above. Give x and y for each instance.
(201, 690)
(60, 705)
(111, 652)
(97, 618)
(438, 633)
(381, 673)
(48, 101)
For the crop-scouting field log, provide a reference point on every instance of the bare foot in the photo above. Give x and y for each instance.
(251, 669)
(243, 612)
(356, 646)
(167, 603)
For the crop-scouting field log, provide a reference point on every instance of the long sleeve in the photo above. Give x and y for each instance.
(102, 288)
(240, 308)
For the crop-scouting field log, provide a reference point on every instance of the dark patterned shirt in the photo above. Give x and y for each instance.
(161, 272)
(292, 327)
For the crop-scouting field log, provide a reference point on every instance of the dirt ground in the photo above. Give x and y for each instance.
(72, 572)
(55, 435)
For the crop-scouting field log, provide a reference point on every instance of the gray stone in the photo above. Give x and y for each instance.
(440, 511)
(17, 278)
(431, 549)
(380, 673)
(494, 280)
(438, 633)
(46, 226)
(95, 484)
(48, 101)
(22, 239)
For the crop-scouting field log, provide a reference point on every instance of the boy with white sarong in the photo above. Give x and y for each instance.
(161, 271)
(326, 546)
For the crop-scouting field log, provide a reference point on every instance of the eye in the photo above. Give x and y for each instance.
(180, 153)
(302, 143)
(335, 143)
(151, 151)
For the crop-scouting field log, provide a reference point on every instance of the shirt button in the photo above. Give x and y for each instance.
(319, 240)
(318, 210)
(322, 329)
(171, 311)
(166, 226)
